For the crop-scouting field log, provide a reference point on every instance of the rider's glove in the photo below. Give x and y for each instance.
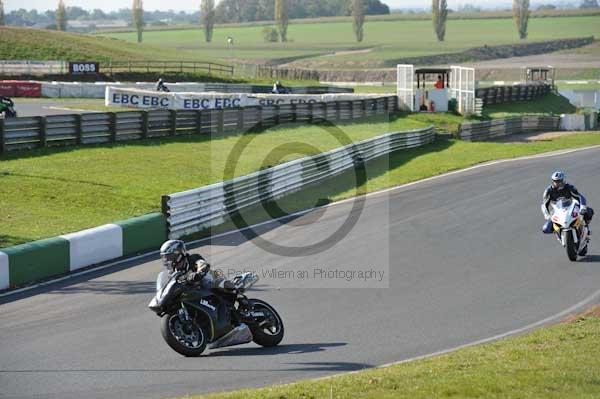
(227, 285)
(193, 277)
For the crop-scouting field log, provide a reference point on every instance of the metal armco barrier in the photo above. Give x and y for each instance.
(94, 128)
(479, 131)
(195, 210)
(506, 94)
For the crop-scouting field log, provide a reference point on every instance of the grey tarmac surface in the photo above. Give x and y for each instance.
(45, 107)
(466, 259)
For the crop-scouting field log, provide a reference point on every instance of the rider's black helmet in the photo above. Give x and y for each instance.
(173, 254)
(558, 179)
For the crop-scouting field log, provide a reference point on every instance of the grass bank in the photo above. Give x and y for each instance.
(54, 191)
(42, 44)
(558, 362)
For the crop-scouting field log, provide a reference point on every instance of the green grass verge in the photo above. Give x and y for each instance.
(557, 362)
(54, 191)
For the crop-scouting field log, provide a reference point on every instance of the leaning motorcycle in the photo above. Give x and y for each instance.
(193, 318)
(8, 112)
(570, 228)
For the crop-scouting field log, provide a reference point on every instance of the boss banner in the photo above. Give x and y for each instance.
(134, 98)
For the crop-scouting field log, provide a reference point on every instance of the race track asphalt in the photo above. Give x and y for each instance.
(466, 260)
(45, 107)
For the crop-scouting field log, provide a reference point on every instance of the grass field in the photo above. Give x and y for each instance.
(557, 362)
(384, 39)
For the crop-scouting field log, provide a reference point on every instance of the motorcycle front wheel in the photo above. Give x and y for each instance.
(269, 332)
(571, 246)
(185, 338)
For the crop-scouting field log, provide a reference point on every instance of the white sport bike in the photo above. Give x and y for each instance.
(570, 228)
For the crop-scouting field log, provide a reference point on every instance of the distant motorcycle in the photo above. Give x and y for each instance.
(193, 317)
(570, 228)
(7, 108)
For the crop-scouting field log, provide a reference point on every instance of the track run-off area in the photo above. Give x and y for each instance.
(467, 262)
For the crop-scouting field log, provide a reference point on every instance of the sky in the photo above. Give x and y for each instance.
(188, 5)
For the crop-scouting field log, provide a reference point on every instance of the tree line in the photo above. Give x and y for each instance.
(256, 10)
(227, 11)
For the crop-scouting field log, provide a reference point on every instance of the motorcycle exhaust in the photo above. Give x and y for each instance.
(238, 336)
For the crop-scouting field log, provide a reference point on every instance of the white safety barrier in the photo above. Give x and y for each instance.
(4, 274)
(93, 246)
(579, 122)
(17, 68)
(195, 210)
(146, 99)
(98, 89)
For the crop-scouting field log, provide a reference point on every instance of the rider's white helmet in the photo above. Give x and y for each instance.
(558, 179)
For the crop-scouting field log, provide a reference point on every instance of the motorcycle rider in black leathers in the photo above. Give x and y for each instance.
(560, 189)
(5, 103)
(196, 269)
(161, 86)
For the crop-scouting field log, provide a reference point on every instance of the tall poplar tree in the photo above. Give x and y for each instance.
(358, 19)
(207, 14)
(61, 16)
(282, 17)
(521, 16)
(137, 12)
(439, 11)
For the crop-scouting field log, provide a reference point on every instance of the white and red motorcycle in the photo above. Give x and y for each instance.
(570, 228)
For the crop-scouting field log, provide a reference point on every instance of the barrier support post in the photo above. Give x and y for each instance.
(259, 117)
(198, 121)
(277, 114)
(221, 121)
(78, 130)
(112, 126)
(240, 119)
(145, 124)
(2, 137)
(43, 126)
(172, 122)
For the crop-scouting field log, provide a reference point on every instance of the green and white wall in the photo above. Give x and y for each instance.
(39, 260)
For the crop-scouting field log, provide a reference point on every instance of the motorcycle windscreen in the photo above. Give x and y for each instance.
(162, 280)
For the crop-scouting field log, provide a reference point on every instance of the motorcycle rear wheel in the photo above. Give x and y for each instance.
(185, 338)
(265, 336)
